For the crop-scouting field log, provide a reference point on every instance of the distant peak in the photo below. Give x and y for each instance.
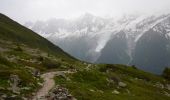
(87, 15)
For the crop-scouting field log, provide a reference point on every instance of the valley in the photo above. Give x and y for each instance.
(141, 40)
(33, 68)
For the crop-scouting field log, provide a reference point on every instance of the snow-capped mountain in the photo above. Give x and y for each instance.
(130, 39)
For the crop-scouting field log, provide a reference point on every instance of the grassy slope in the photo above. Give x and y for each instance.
(93, 85)
(11, 30)
(36, 53)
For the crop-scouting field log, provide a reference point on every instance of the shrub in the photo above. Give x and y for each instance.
(50, 63)
(134, 67)
(166, 73)
(4, 61)
(40, 58)
(102, 68)
(18, 48)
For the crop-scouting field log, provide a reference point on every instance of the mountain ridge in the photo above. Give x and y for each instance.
(97, 33)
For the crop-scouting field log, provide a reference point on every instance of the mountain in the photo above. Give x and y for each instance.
(109, 40)
(146, 44)
(115, 50)
(152, 51)
(30, 64)
(68, 33)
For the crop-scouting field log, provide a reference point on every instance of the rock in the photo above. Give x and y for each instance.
(25, 88)
(136, 78)
(121, 84)
(100, 91)
(33, 71)
(128, 91)
(116, 79)
(159, 85)
(4, 96)
(2, 88)
(168, 86)
(24, 98)
(60, 93)
(88, 67)
(116, 92)
(33, 93)
(73, 70)
(61, 74)
(36, 73)
(166, 93)
(14, 82)
(70, 97)
(13, 96)
(62, 66)
(91, 90)
(31, 60)
(40, 84)
(113, 80)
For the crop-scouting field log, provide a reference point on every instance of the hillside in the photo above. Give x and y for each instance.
(115, 82)
(23, 56)
(14, 32)
(30, 64)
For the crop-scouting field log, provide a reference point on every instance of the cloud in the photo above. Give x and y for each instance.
(24, 10)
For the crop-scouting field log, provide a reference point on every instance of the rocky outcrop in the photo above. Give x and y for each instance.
(14, 83)
(60, 93)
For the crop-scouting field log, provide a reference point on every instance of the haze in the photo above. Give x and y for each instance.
(31, 10)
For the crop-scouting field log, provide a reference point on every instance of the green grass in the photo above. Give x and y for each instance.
(82, 82)
(11, 30)
(131, 71)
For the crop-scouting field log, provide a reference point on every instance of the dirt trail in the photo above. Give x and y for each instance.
(48, 84)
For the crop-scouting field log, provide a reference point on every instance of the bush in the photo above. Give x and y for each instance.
(18, 48)
(4, 61)
(134, 67)
(50, 64)
(40, 58)
(102, 68)
(166, 73)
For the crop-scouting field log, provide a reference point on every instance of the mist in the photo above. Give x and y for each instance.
(32, 10)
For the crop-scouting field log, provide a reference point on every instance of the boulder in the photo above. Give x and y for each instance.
(14, 83)
(61, 74)
(36, 73)
(166, 93)
(168, 86)
(3, 96)
(159, 85)
(2, 88)
(116, 79)
(100, 91)
(121, 84)
(91, 90)
(33, 71)
(60, 93)
(116, 92)
(128, 91)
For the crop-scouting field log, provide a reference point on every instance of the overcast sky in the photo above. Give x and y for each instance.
(31, 10)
